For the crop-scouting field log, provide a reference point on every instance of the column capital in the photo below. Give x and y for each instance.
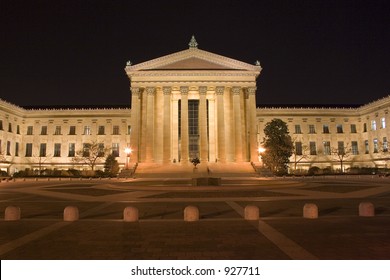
(251, 90)
(167, 90)
(184, 90)
(236, 90)
(219, 90)
(202, 90)
(135, 90)
(150, 90)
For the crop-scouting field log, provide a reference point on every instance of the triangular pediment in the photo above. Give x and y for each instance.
(193, 59)
(193, 63)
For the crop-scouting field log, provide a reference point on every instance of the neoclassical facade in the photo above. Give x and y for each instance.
(192, 104)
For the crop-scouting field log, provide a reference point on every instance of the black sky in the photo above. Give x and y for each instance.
(312, 52)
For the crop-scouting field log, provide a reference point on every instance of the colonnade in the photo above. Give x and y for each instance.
(226, 123)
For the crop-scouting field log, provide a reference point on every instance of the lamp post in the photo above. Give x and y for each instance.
(128, 153)
(261, 150)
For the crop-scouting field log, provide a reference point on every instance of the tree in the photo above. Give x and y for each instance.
(111, 166)
(278, 146)
(299, 152)
(91, 154)
(341, 153)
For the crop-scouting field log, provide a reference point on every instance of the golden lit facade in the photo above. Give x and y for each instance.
(192, 104)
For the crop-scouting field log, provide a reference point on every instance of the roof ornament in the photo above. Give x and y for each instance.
(193, 44)
(128, 63)
(257, 63)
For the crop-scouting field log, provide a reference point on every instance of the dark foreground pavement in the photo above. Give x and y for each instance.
(221, 233)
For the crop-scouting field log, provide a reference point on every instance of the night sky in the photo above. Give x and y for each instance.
(312, 52)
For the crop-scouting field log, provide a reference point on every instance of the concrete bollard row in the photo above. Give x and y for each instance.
(310, 211)
(366, 209)
(191, 213)
(251, 213)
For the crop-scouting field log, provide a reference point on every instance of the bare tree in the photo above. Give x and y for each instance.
(299, 153)
(91, 154)
(341, 153)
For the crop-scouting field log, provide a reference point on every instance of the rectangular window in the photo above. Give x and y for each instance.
(57, 149)
(115, 149)
(298, 129)
(101, 130)
(87, 130)
(9, 127)
(325, 128)
(72, 150)
(86, 148)
(18, 129)
(42, 150)
(364, 127)
(373, 125)
(339, 128)
(30, 130)
(17, 149)
(340, 148)
(115, 130)
(366, 147)
(8, 148)
(44, 130)
(101, 150)
(385, 145)
(1, 125)
(312, 129)
(383, 123)
(354, 147)
(376, 146)
(28, 149)
(353, 128)
(326, 147)
(298, 148)
(58, 130)
(129, 129)
(72, 130)
(313, 148)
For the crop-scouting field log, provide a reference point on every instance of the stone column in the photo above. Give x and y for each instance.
(221, 124)
(167, 143)
(184, 125)
(143, 118)
(151, 91)
(252, 124)
(212, 129)
(135, 125)
(237, 123)
(204, 147)
(175, 129)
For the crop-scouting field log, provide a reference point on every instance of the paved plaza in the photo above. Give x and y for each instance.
(221, 232)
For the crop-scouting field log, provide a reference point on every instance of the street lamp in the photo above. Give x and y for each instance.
(261, 150)
(128, 151)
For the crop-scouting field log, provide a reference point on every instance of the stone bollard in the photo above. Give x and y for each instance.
(251, 213)
(310, 211)
(366, 209)
(191, 214)
(12, 213)
(130, 214)
(71, 213)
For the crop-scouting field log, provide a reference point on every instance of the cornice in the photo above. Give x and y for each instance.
(194, 73)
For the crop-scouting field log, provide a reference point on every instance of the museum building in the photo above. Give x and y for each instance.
(192, 104)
